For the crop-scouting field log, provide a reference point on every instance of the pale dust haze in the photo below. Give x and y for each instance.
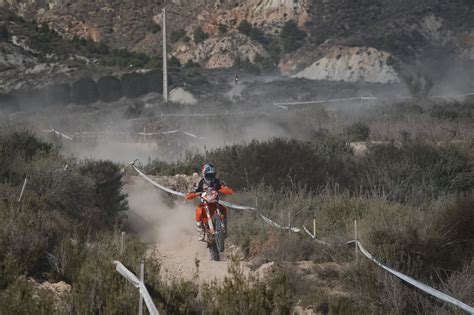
(173, 230)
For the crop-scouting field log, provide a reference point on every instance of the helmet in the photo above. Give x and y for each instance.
(208, 172)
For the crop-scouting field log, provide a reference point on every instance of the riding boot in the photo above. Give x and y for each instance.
(200, 230)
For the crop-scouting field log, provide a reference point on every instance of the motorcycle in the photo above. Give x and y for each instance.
(212, 221)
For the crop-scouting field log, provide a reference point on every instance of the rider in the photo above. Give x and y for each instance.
(209, 180)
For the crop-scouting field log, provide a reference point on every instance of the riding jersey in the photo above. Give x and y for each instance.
(203, 185)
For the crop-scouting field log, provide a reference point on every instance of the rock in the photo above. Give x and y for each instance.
(300, 310)
(181, 96)
(265, 270)
(60, 287)
(219, 52)
(235, 251)
(341, 63)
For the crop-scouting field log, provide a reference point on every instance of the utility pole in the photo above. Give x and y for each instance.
(165, 70)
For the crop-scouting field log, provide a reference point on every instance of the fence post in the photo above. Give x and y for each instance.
(142, 277)
(122, 243)
(22, 189)
(314, 228)
(356, 242)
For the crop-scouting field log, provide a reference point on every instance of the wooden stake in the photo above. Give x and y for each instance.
(314, 228)
(142, 277)
(22, 190)
(356, 243)
(122, 243)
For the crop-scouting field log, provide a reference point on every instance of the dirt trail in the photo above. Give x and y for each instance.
(172, 229)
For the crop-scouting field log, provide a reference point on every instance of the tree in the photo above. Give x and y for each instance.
(222, 28)
(174, 62)
(4, 35)
(258, 36)
(291, 36)
(84, 91)
(177, 35)
(200, 35)
(110, 88)
(245, 27)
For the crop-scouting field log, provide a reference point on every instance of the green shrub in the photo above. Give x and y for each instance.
(199, 35)
(84, 91)
(23, 298)
(134, 84)
(152, 27)
(245, 27)
(175, 36)
(18, 147)
(222, 28)
(238, 296)
(174, 62)
(4, 34)
(108, 195)
(416, 172)
(191, 64)
(155, 81)
(357, 132)
(258, 36)
(291, 36)
(58, 94)
(110, 88)
(8, 102)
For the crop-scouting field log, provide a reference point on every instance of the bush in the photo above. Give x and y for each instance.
(174, 62)
(357, 132)
(222, 28)
(155, 81)
(245, 27)
(8, 102)
(245, 64)
(110, 88)
(58, 94)
(291, 36)
(199, 35)
(84, 91)
(191, 64)
(152, 27)
(258, 36)
(4, 34)
(177, 35)
(134, 84)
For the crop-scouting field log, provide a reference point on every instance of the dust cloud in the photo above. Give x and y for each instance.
(172, 229)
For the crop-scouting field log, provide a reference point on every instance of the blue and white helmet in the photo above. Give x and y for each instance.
(208, 172)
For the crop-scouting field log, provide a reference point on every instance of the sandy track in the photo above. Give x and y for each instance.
(172, 229)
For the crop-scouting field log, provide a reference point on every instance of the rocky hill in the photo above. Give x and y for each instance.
(371, 41)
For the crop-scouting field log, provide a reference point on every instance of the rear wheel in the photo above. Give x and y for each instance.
(220, 229)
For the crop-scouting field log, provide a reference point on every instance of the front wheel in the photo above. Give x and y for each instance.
(213, 251)
(220, 231)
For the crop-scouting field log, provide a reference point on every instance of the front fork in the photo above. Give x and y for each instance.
(209, 219)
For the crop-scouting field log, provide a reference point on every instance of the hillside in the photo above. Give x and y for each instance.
(343, 40)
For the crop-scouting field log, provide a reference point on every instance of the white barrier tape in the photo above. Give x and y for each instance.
(280, 104)
(405, 278)
(440, 295)
(176, 193)
(58, 133)
(127, 274)
(211, 114)
(285, 104)
(272, 223)
(224, 203)
(193, 135)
